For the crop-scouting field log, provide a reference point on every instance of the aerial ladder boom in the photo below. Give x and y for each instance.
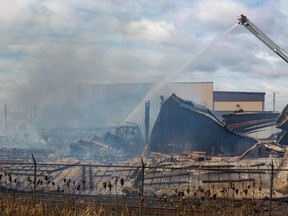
(261, 36)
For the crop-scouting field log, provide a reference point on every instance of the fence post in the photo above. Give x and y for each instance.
(271, 189)
(35, 169)
(142, 186)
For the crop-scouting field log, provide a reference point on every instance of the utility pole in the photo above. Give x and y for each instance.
(274, 101)
(5, 119)
(147, 118)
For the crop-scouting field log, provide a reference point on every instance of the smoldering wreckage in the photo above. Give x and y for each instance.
(188, 146)
(185, 137)
(181, 127)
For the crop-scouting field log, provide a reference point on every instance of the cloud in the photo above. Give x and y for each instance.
(149, 30)
(48, 47)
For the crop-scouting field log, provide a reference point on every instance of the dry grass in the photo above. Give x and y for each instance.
(11, 205)
(202, 201)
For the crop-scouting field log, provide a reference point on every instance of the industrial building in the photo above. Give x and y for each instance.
(247, 101)
(122, 94)
(110, 104)
(118, 102)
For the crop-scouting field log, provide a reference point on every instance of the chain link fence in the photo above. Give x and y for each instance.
(162, 189)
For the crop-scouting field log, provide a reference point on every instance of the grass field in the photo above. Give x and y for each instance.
(14, 204)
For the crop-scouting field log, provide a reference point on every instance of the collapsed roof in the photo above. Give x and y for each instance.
(282, 124)
(185, 126)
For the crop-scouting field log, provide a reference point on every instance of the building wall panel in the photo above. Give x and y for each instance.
(245, 105)
(201, 93)
(125, 101)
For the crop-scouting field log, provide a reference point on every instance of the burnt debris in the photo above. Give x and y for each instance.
(126, 140)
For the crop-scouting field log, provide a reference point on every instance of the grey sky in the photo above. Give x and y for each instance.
(48, 47)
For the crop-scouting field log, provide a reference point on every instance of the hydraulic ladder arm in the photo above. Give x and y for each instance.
(261, 36)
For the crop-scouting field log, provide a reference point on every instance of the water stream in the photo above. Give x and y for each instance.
(166, 79)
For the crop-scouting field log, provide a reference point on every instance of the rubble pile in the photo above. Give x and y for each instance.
(189, 151)
(125, 142)
(24, 155)
(224, 177)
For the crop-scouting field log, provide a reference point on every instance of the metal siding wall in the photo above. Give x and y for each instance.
(231, 106)
(118, 101)
(201, 93)
(207, 95)
(238, 96)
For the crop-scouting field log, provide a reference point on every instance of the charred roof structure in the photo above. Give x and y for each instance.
(185, 126)
(250, 122)
(126, 141)
(282, 124)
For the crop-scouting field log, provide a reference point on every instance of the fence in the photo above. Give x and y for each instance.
(186, 189)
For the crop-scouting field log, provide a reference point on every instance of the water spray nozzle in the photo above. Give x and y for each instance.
(242, 19)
